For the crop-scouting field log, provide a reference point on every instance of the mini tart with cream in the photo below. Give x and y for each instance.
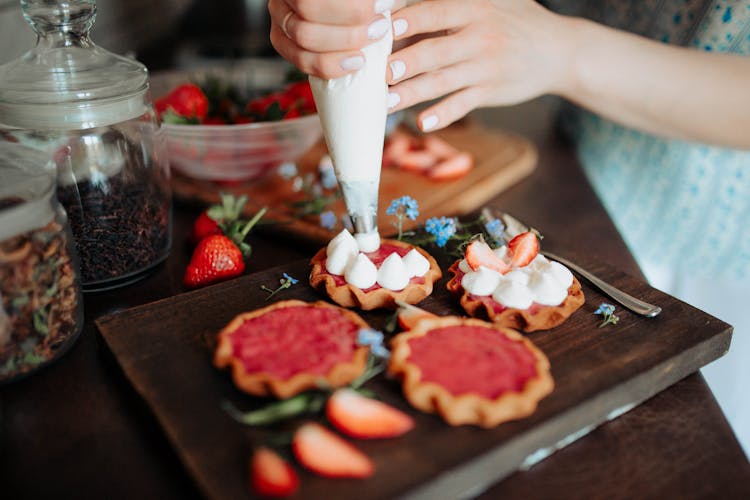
(372, 280)
(515, 286)
(292, 346)
(470, 371)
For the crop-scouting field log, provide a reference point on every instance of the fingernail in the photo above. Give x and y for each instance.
(398, 68)
(383, 5)
(400, 26)
(377, 29)
(393, 99)
(429, 122)
(354, 62)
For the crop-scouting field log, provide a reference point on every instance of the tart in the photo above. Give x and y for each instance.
(292, 346)
(375, 297)
(470, 371)
(531, 319)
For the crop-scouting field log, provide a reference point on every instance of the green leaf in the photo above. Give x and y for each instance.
(274, 112)
(307, 402)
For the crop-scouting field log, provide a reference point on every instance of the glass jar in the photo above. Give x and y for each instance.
(68, 94)
(41, 311)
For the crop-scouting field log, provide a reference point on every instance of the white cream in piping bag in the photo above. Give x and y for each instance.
(353, 111)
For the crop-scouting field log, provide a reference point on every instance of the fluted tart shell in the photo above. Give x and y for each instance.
(347, 295)
(470, 405)
(299, 343)
(537, 317)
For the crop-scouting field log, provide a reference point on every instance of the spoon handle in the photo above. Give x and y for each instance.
(628, 301)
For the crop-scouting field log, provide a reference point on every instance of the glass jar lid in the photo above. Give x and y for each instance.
(66, 81)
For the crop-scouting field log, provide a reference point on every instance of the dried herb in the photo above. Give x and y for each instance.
(121, 224)
(41, 309)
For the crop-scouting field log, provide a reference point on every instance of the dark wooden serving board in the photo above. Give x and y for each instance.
(165, 350)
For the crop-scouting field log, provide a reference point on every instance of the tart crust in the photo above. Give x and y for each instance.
(543, 318)
(266, 384)
(351, 296)
(468, 407)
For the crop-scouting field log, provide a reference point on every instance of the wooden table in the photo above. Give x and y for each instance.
(77, 430)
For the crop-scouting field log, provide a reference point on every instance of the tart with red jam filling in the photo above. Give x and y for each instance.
(515, 286)
(469, 371)
(292, 346)
(373, 280)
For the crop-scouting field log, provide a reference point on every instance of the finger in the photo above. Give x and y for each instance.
(452, 108)
(325, 37)
(324, 65)
(429, 55)
(432, 85)
(341, 12)
(430, 17)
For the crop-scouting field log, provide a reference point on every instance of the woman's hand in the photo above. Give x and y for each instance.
(324, 37)
(481, 53)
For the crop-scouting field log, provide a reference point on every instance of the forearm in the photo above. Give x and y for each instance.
(662, 89)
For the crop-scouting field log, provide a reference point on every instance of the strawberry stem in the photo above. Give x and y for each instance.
(245, 230)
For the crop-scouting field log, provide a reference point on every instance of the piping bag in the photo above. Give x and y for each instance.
(353, 111)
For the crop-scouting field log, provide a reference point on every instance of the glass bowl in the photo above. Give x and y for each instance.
(238, 152)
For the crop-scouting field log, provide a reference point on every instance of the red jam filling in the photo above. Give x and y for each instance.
(487, 300)
(377, 257)
(473, 359)
(287, 341)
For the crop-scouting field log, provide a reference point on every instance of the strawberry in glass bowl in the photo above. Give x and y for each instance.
(235, 123)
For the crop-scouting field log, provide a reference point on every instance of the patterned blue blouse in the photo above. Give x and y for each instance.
(680, 205)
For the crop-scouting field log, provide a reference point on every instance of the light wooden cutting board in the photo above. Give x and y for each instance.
(501, 160)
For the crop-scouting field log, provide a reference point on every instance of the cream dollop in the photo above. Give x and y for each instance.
(416, 263)
(542, 281)
(344, 258)
(513, 294)
(393, 274)
(483, 281)
(367, 242)
(362, 273)
(547, 290)
(343, 238)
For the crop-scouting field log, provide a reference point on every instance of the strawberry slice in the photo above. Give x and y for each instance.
(365, 418)
(438, 147)
(409, 315)
(479, 253)
(452, 168)
(329, 455)
(271, 475)
(523, 248)
(416, 161)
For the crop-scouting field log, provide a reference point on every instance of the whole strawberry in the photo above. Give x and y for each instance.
(218, 218)
(221, 256)
(215, 259)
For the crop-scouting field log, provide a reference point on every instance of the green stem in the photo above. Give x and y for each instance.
(245, 230)
(288, 408)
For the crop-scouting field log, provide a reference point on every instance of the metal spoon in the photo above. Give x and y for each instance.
(513, 227)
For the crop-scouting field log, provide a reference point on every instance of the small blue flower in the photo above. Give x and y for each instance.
(374, 339)
(328, 220)
(495, 229)
(605, 309)
(291, 280)
(287, 170)
(442, 228)
(405, 205)
(607, 312)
